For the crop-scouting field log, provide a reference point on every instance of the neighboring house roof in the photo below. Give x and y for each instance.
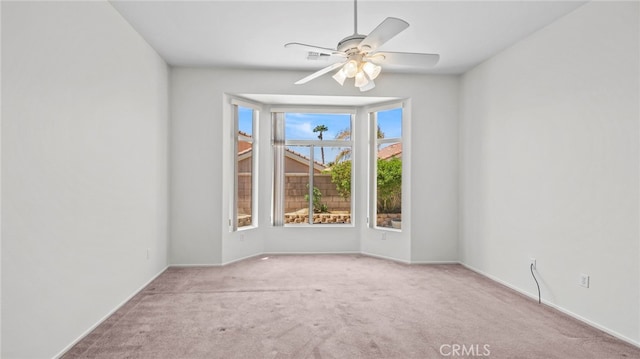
(243, 146)
(304, 159)
(245, 149)
(392, 151)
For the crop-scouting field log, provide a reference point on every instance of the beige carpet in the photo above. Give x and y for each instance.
(339, 306)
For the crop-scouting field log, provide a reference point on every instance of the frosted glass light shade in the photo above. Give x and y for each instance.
(350, 68)
(368, 86)
(372, 70)
(340, 76)
(361, 79)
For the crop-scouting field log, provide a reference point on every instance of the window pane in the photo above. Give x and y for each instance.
(311, 195)
(388, 176)
(296, 185)
(244, 173)
(389, 186)
(301, 126)
(245, 121)
(245, 183)
(335, 187)
(390, 123)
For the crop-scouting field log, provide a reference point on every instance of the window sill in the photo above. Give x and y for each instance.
(388, 229)
(327, 225)
(246, 228)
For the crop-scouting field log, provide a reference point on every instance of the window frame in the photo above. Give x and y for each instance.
(278, 116)
(235, 104)
(374, 142)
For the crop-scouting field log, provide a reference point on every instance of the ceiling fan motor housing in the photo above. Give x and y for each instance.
(349, 44)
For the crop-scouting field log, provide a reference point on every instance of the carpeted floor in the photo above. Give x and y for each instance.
(339, 306)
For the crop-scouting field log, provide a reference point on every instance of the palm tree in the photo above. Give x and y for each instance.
(321, 129)
(345, 153)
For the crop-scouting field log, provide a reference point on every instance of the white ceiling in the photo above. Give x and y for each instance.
(252, 34)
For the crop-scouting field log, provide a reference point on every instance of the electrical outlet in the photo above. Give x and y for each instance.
(584, 280)
(384, 236)
(148, 253)
(242, 237)
(532, 261)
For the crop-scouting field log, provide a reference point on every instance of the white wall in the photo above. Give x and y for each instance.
(429, 234)
(84, 166)
(550, 165)
(0, 184)
(199, 196)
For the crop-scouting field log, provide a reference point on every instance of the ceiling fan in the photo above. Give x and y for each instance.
(360, 60)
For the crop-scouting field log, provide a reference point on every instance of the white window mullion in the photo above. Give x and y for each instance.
(234, 201)
(311, 170)
(255, 172)
(382, 141)
(278, 169)
(373, 168)
(318, 143)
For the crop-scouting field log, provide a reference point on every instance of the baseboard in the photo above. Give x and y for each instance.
(435, 262)
(385, 257)
(554, 306)
(304, 253)
(187, 265)
(241, 259)
(92, 328)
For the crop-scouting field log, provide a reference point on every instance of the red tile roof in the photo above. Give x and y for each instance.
(392, 151)
(243, 146)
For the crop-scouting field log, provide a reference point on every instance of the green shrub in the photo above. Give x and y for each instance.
(341, 177)
(389, 183)
(318, 206)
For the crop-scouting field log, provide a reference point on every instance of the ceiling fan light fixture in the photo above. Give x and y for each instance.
(361, 79)
(368, 86)
(340, 76)
(372, 70)
(351, 68)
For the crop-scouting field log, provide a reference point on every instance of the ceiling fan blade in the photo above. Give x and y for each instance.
(312, 48)
(387, 29)
(409, 59)
(319, 73)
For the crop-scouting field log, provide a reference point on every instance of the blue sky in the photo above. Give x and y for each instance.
(390, 122)
(300, 126)
(244, 120)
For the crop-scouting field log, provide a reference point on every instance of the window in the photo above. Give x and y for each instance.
(386, 160)
(312, 168)
(244, 165)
